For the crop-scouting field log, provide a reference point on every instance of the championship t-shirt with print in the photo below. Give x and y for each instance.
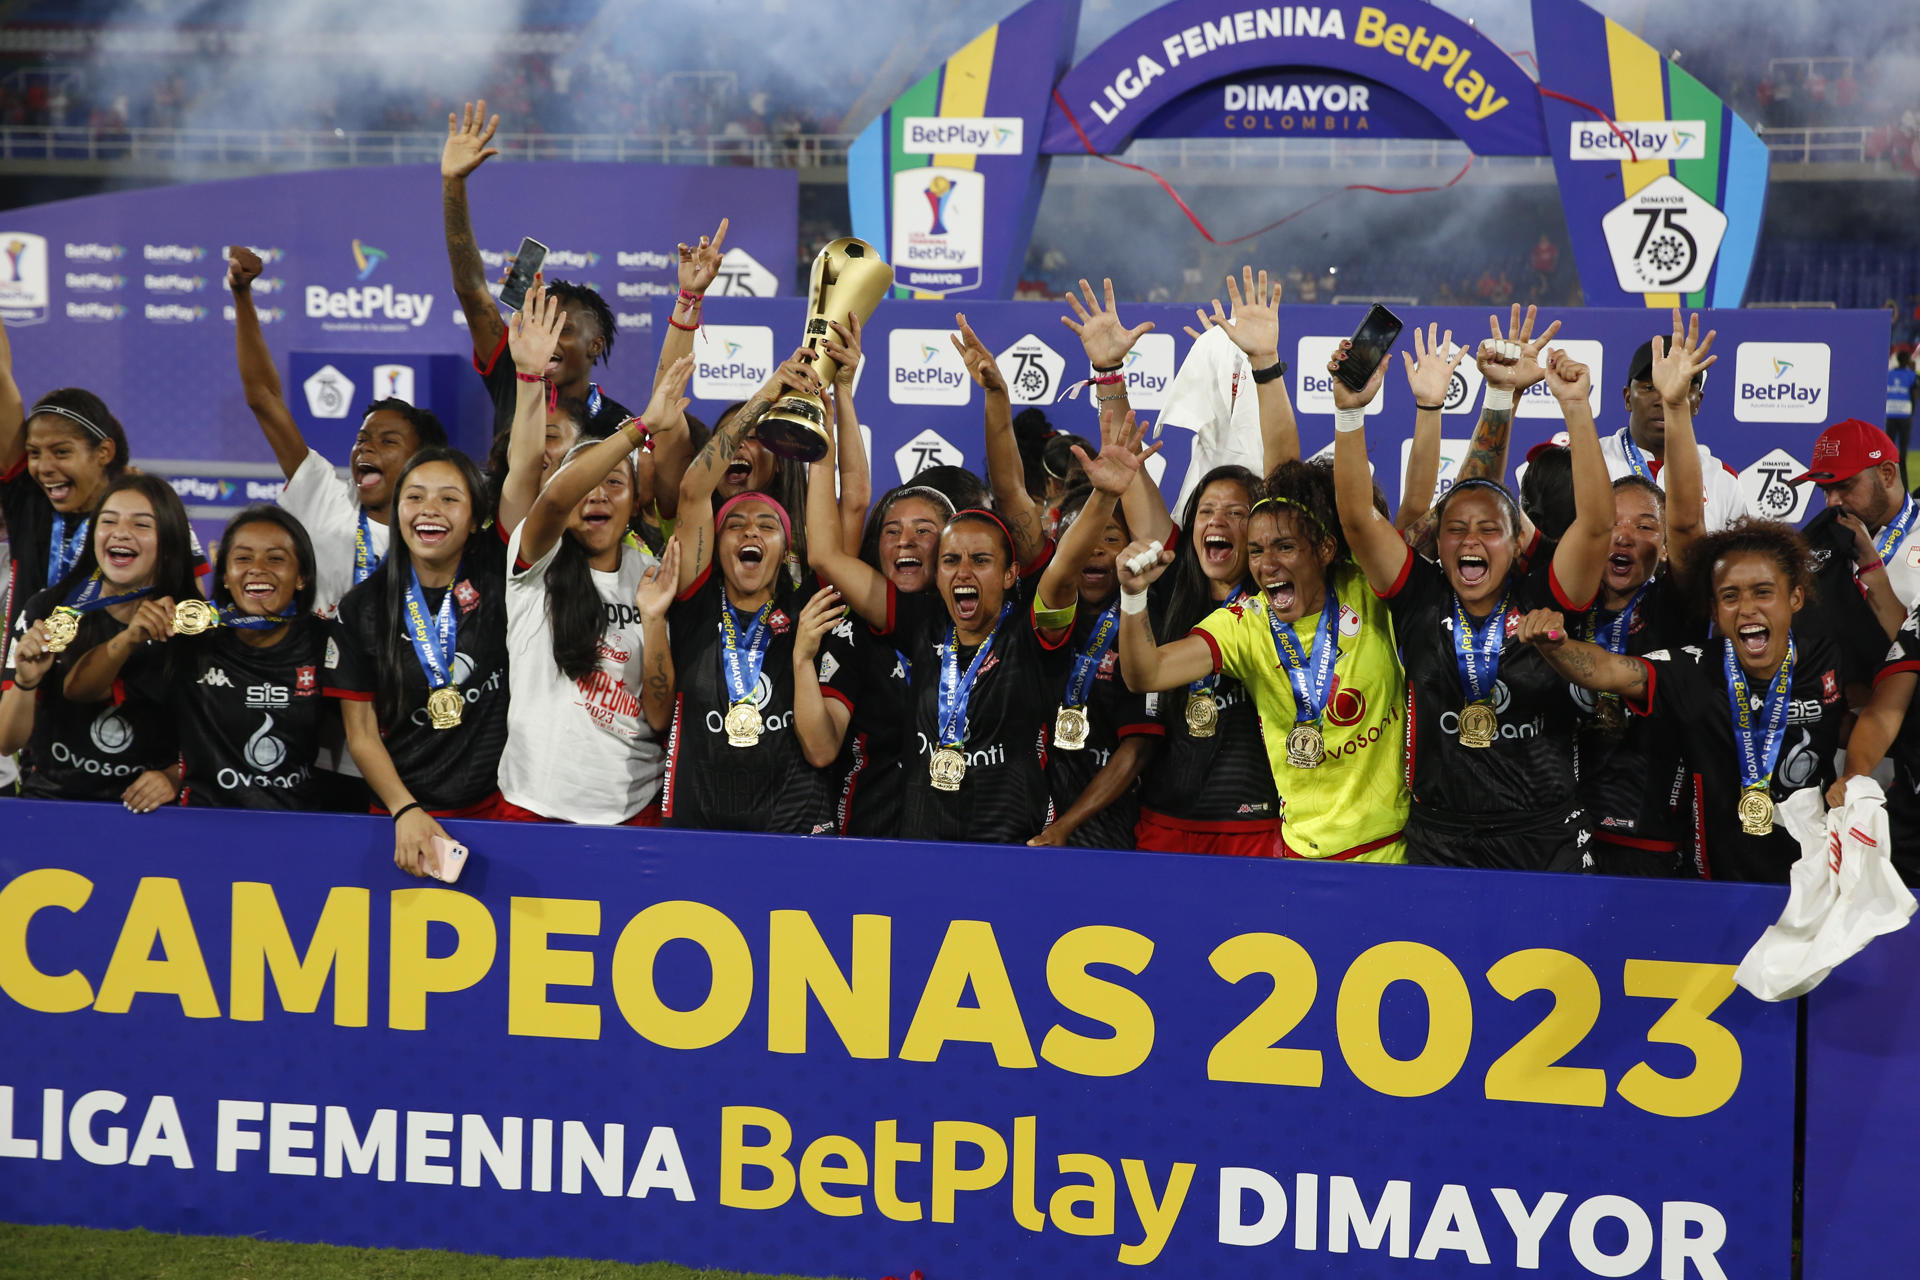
(1355, 803)
(577, 750)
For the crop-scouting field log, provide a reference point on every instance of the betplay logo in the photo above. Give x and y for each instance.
(962, 135)
(923, 368)
(731, 361)
(1149, 371)
(181, 253)
(1650, 139)
(370, 302)
(1537, 400)
(1781, 381)
(95, 252)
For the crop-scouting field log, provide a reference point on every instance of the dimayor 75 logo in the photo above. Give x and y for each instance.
(1663, 238)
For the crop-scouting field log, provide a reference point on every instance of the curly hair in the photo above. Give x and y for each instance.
(1306, 488)
(1780, 543)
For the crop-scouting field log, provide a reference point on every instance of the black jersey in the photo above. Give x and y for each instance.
(1687, 694)
(768, 786)
(869, 778)
(1114, 712)
(249, 718)
(443, 768)
(94, 750)
(1839, 613)
(1903, 794)
(1525, 778)
(1004, 795)
(604, 413)
(1632, 784)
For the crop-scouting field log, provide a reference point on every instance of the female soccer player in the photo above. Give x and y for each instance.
(1885, 729)
(423, 658)
(242, 678)
(1314, 650)
(1489, 724)
(1756, 713)
(56, 462)
(578, 747)
(112, 744)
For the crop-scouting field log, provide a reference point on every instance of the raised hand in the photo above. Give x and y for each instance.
(1119, 460)
(1430, 367)
(700, 263)
(468, 134)
(1206, 323)
(1567, 378)
(974, 354)
(1255, 323)
(659, 584)
(1544, 629)
(1106, 340)
(1134, 583)
(795, 373)
(1679, 360)
(1345, 397)
(243, 268)
(822, 614)
(1511, 361)
(667, 408)
(844, 350)
(534, 331)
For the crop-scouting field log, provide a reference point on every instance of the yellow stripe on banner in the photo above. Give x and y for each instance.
(1638, 95)
(963, 92)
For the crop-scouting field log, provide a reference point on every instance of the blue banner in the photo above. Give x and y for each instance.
(853, 1057)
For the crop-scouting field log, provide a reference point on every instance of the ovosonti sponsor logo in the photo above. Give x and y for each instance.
(1781, 381)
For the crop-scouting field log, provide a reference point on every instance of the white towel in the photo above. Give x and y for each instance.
(1212, 396)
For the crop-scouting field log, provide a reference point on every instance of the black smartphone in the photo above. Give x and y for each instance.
(526, 263)
(1371, 342)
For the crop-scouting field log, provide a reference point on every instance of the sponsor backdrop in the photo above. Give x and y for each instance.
(125, 293)
(853, 1057)
(1666, 207)
(1782, 376)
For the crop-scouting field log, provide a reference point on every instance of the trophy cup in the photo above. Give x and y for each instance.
(848, 276)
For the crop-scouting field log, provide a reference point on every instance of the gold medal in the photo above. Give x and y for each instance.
(1478, 725)
(191, 617)
(1203, 715)
(947, 769)
(63, 626)
(444, 706)
(1070, 729)
(1756, 812)
(1305, 747)
(743, 725)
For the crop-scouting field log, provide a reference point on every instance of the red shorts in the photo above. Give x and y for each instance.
(1158, 833)
(481, 809)
(511, 812)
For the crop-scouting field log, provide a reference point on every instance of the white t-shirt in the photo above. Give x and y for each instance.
(1725, 502)
(1213, 396)
(328, 507)
(579, 751)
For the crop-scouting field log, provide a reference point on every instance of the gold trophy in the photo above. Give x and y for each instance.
(848, 276)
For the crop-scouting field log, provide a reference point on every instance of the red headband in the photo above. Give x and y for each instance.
(983, 514)
(720, 516)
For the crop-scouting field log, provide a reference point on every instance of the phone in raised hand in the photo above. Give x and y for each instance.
(1371, 342)
(526, 264)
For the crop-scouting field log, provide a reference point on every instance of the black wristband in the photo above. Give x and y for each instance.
(406, 808)
(1428, 408)
(1278, 369)
(1107, 368)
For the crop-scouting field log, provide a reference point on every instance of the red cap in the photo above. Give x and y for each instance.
(1844, 450)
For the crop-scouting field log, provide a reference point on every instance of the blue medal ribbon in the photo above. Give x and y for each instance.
(63, 552)
(1758, 746)
(1636, 460)
(1212, 682)
(1612, 636)
(1897, 529)
(743, 648)
(432, 636)
(1311, 685)
(1105, 630)
(86, 597)
(364, 560)
(232, 617)
(593, 401)
(956, 690)
(1477, 651)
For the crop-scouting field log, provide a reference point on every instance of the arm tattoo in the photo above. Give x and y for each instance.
(724, 441)
(1489, 445)
(469, 272)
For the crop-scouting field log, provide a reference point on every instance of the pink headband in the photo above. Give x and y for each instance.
(720, 516)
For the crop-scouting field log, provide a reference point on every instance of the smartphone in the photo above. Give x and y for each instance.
(1371, 342)
(520, 276)
(449, 859)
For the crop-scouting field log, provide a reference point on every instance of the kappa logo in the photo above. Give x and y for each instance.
(216, 678)
(844, 629)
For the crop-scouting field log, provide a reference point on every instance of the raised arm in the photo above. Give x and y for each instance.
(693, 530)
(659, 583)
(1106, 342)
(1148, 667)
(1006, 474)
(1587, 665)
(259, 380)
(699, 264)
(861, 586)
(532, 334)
(1120, 460)
(856, 483)
(1377, 546)
(468, 134)
(1254, 327)
(91, 677)
(13, 422)
(1675, 365)
(1430, 372)
(1581, 556)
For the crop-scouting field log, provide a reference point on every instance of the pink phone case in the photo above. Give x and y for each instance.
(449, 859)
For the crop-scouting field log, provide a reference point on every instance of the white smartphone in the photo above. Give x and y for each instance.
(449, 859)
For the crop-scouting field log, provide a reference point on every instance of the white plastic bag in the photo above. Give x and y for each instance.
(1843, 893)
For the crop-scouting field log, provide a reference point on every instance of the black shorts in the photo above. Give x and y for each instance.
(1622, 860)
(1553, 840)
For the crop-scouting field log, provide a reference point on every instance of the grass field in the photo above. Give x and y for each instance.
(78, 1253)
